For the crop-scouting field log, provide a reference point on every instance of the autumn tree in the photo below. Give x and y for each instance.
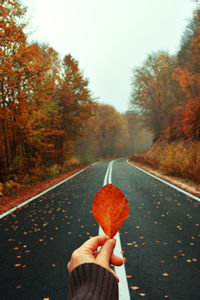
(44, 105)
(111, 132)
(13, 79)
(155, 92)
(77, 104)
(106, 134)
(140, 137)
(188, 75)
(29, 112)
(43, 130)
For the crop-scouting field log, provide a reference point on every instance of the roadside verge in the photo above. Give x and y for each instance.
(191, 188)
(15, 201)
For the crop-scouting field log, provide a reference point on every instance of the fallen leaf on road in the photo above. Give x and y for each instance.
(110, 209)
(18, 287)
(134, 288)
(142, 294)
(194, 259)
(17, 265)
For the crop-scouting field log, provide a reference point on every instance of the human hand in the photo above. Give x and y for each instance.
(88, 253)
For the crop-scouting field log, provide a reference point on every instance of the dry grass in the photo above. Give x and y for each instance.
(180, 159)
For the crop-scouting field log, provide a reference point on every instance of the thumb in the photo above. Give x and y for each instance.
(106, 251)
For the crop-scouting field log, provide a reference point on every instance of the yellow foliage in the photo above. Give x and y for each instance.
(53, 170)
(72, 163)
(179, 158)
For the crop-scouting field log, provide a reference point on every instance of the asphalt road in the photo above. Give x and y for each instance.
(160, 239)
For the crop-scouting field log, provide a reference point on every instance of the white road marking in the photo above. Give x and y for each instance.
(96, 163)
(40, 194)
(107, 174)
(166, 182)
(110, 173)
(120, 271)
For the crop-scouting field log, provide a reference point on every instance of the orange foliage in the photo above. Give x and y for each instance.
(44, 104)
(191, 120)
(166, 89)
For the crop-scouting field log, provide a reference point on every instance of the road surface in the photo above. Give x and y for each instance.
(160, 240)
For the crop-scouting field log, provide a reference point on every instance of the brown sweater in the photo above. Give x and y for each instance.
(91, 281)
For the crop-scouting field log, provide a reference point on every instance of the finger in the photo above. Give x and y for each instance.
(116, 260)
(93, 243)
(106, 252)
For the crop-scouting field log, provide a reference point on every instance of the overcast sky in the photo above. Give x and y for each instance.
(109, 37)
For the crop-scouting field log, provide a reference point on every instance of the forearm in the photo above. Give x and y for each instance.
(91, 281)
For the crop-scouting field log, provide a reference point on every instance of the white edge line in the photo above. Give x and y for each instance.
(166, 182)
(40, 194)
(95, 163)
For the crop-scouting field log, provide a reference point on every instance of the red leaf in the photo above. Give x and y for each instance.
(110, 209)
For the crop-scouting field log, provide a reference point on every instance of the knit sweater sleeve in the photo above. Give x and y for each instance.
(91, 281)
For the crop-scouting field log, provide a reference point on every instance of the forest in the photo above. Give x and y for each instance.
(166, 95)
(50, 122)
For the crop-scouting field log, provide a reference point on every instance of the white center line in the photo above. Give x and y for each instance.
(120, 271)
